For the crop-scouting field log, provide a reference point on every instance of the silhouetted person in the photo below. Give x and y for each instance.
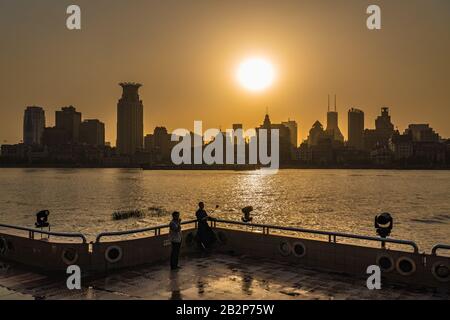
(176, 239)
(205, 234)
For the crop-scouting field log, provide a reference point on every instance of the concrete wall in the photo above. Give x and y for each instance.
(53, 256)
(47, 256)
(136, 252)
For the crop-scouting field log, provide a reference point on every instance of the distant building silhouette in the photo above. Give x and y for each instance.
(384, 129)
(383, 123)
(69, 120)
(284, 139)
(356, 129)
(332, 129)
(315, 134)
(419, 144)
(92, 132)
(422, 133)
(159, 145)
(33, 125)
(130, 120)
(293, 129)
(54, 136)
(402, 146)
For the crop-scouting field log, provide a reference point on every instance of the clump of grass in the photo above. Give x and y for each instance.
(128, 214)
(158, 211)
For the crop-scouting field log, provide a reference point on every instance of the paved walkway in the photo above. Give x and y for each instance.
(214, 277)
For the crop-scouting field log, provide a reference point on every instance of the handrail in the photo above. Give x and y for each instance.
(265, 228)
(157, 230)
(48, 233)
(439, 246)
(318, 232)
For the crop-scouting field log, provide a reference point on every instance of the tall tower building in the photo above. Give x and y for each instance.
(33, 125)
(356, 129)
(130, 120)
(69, 120)
(332, 122)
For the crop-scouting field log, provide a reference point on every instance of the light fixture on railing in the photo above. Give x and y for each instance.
(383, 225)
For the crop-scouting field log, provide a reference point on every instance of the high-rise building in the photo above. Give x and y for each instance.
(33, 125)
(293, 129)
(333, 123)
(356, 129)
(383, 123)
(130, 120)
(69, 119)
(92, 132)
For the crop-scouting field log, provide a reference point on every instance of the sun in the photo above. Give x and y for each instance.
(256, 74)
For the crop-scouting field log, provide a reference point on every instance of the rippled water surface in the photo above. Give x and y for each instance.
(336, 200)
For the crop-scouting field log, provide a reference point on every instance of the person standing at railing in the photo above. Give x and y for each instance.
(176, 238)
(205, 234)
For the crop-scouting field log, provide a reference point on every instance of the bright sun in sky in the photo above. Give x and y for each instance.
(256, 74)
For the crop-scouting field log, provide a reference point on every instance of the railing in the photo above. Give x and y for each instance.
(156, 229)
(438, 247)
(32, 231)
(332, 236)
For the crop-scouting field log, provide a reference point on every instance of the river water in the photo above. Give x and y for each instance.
(334, 200)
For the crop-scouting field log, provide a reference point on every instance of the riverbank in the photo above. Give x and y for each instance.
(229, 167)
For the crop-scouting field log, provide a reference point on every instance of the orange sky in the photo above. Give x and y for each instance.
(186, 53)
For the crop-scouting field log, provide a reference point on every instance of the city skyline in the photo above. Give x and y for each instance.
(332, 118)
(189, 69)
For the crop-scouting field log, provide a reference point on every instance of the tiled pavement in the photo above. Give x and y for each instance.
(205, 277)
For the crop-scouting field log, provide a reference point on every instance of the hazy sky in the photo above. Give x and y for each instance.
(186, 52)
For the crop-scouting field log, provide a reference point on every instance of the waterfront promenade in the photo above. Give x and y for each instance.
(215, 277)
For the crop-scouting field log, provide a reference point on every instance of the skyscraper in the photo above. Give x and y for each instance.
(69, 120)
(356, 129)
(332, 123)
(92, 132)
(130, 120)
(33, 125)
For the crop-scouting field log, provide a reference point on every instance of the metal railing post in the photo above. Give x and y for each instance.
(438, 247)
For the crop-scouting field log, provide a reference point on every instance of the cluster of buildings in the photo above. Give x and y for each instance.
(70, 140)
(74, 141)
(418, 145)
